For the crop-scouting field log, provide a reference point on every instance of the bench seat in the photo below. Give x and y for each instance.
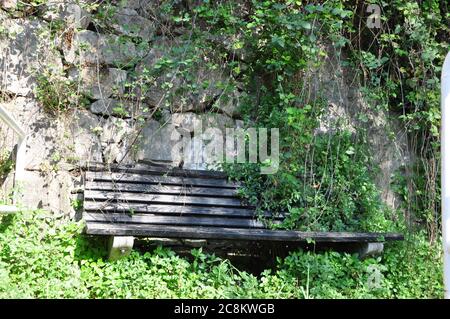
(154, 201)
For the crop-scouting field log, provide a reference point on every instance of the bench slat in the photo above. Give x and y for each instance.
(169, 180)
(200, 232)
(161, 189)
(157, 198)
(155, 170)
(170, 209)
(173, 220)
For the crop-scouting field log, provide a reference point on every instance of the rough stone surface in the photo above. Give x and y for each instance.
(43, 134)
(338, 85)
(228, 103)
(120, 108)
(128, 22)
(8, 4)
(217, 120)
(74, 15)
(194, 150)
(46, 186)
(84, 129)
(171, 90)
(24, 52)
(88, 47)
(47, 190)
(114, 130)
(157, 143)
(186, 121)
(116, 138)
(99, 83)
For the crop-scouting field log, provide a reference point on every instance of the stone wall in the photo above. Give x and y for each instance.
(122, 120)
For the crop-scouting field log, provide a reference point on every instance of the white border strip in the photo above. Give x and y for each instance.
(445, 170)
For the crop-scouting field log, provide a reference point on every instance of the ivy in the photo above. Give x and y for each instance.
(43, 256)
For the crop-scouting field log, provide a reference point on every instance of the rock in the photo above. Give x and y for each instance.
(99, 83)
(91, 48)
(217, 120)
(114, 130)
(194, 150)
(153, 10)
(116, 137)
(239, 124)
(336, 118)
(210, 83)
(204, 151)
(44, 139)
(229, 103)
(234, 45)
(120, 108)
(8, 5)
(112, 154)
(74, 15)
(84, 130)
(165, 93)
(128, 22)
(54, 192)
(170, 91)
(158, 143)
(133, 4)
(24, 53)
(186, 121)
(178, 91)
(348, 109)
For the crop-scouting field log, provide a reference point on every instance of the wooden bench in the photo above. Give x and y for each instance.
(151, 201)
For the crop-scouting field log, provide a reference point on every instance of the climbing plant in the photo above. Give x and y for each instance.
(397, 66)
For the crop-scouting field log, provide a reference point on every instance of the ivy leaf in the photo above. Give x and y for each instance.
(305, 25)
(350, 151)
(278, 41)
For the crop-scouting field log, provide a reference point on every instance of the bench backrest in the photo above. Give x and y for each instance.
(161, 196)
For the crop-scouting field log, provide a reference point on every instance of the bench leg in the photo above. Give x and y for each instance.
(119, 246)
(370, 249)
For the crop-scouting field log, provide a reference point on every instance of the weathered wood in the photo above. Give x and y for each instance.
(123, 186)
(154, 170)
(107, 207)
(168, 180)
(173, 220)
(233, 233)
(157, 198)
(175, 203)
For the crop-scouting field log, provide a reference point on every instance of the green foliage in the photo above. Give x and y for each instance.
(401, 65)
(44, 257)
(325, 181)
(58, 94)
(6, 163)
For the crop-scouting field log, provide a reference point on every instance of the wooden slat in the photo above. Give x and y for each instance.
(157, 198)
(154, 170)
(168, 180)
(232, 233)
(173, 220)
(108, 207)
(162, 189)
